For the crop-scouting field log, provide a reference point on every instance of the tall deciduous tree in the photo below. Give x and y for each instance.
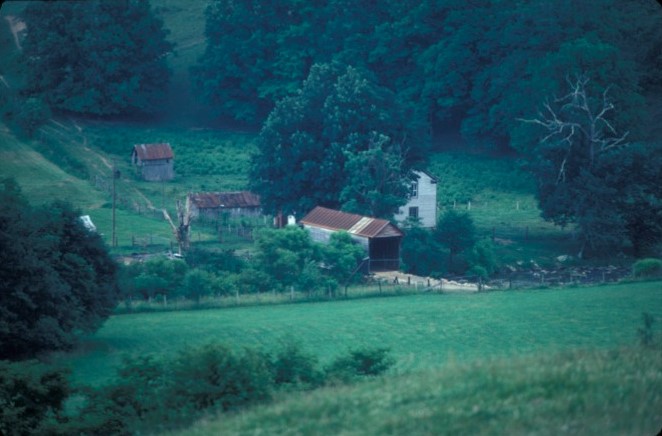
(96, 57)
(56, 277)
(589, 175)
(339, 116)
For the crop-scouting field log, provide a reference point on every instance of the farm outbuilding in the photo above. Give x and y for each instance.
(213, 205)
(422, 201)
(380, 239)
(154, 162)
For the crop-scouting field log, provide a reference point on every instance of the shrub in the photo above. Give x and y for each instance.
(30, 394)
(292, 366)
(647, 268)
(363, 362)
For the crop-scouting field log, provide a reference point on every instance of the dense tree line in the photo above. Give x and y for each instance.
(56, 277)
(482, 63)
(95, 57)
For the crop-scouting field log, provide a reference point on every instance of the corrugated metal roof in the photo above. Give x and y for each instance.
(153, 151)
(355, 224)
(225, 200)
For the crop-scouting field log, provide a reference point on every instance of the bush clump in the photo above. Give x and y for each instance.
(647, 268)
(152, 394)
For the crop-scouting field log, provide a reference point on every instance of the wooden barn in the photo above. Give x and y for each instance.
(213, 205)
(422, 201)
(380, 239)
(154, 162)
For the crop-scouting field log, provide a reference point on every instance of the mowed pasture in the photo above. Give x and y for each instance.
(426, 331)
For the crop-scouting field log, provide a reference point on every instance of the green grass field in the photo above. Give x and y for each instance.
(423, 332)
(615, 392)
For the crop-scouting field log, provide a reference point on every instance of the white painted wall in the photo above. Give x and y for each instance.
(425, 199)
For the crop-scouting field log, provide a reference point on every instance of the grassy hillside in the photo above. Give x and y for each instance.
(615, 392)
(423, 332)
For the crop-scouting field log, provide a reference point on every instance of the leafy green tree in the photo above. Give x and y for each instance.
(305, 145)
(376, 183)
(341, 257)
(198, 283)
(157, 276)
(283, 254)
(96, 57)
(421, 254)
(455, 231)
(56, 277)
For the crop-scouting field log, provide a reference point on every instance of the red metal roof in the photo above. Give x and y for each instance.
(153, 151)
(355, 224)
(225, 200)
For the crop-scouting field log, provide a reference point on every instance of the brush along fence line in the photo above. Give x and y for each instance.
(388, 284)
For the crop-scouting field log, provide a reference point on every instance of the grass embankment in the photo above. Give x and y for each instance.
(608, 392)
(423, 331)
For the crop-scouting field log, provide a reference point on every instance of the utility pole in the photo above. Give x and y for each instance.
(116, 175)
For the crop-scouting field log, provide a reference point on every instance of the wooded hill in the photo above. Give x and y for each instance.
(369, 83)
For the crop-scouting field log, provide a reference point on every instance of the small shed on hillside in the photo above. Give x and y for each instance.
(212, 205)
(154, 162)
(380, 239)
(422, 201)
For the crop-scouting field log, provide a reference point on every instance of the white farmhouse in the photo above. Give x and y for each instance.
(422, 203)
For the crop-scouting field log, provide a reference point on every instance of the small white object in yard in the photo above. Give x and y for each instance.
(87, 222)
(564, 258)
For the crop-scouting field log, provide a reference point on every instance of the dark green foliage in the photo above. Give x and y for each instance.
(421, 254)
(472, 67)
(215, 377)
(57, 277)
(360, 363)
(156, 276)
(283, 253)
(157, 395)
(587, 174)
(96, 57)
(24, 115)
(341, 257)
(32, 396)
(455, 231)
(292, 366)
(339, 115)
(482, 258)
(647, 268)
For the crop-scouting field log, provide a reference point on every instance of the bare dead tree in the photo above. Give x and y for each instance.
(576, 120)
(181, 230)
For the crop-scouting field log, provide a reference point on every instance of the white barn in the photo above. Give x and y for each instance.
(422, 203)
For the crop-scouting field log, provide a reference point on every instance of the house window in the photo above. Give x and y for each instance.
(413, 212)
(414, 189)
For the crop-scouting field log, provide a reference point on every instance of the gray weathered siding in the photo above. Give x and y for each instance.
(157, 170)
(425, 201)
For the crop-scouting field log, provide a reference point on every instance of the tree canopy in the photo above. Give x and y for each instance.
(590, 175)
(480, 65)
(96, 57)
(340, 141)
(56, 277)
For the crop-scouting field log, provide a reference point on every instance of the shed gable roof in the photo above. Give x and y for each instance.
(225, 200)
(153, 151)
(351, 223)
